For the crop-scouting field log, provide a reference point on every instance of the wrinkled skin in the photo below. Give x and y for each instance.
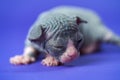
(66, 46)
(61, 49)
(62, 36)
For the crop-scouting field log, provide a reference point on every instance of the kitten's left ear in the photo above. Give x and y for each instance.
(79, 20)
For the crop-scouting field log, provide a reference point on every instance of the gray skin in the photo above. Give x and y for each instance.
(54, 29)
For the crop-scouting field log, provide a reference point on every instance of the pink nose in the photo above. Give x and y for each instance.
(73, 54)
(70, 54)
(71, 50)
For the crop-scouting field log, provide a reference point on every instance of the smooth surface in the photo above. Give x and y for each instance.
(16, 17)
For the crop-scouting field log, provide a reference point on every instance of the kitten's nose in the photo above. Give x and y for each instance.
(71, 50)
(71, 54)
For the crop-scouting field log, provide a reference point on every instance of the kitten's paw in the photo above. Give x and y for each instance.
(20, 59)
(50, 61)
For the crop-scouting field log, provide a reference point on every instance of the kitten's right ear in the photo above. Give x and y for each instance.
(79, 20)
(35, 32)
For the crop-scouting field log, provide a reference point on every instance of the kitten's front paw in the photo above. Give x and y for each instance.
(50, 61)
(20, 59)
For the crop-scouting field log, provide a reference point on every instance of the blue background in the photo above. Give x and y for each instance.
(16, 17)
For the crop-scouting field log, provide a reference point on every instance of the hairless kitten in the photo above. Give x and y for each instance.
(62, 34)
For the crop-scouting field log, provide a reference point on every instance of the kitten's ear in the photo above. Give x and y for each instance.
(79, 20)
(35, 32)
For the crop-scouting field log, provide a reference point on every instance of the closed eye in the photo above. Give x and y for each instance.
(59, 47)
(79, 40)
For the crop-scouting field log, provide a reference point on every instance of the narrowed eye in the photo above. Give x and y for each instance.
(59, 47)
(79, 40)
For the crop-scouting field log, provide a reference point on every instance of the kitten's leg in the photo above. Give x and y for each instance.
(30, 55)
(104, 34)
(111, 38)
(90, 48)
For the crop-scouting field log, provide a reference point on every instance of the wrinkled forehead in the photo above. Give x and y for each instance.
(59, 43)
(69, 26)
(68, 34)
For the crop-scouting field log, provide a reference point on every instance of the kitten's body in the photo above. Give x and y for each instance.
(45, 35)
